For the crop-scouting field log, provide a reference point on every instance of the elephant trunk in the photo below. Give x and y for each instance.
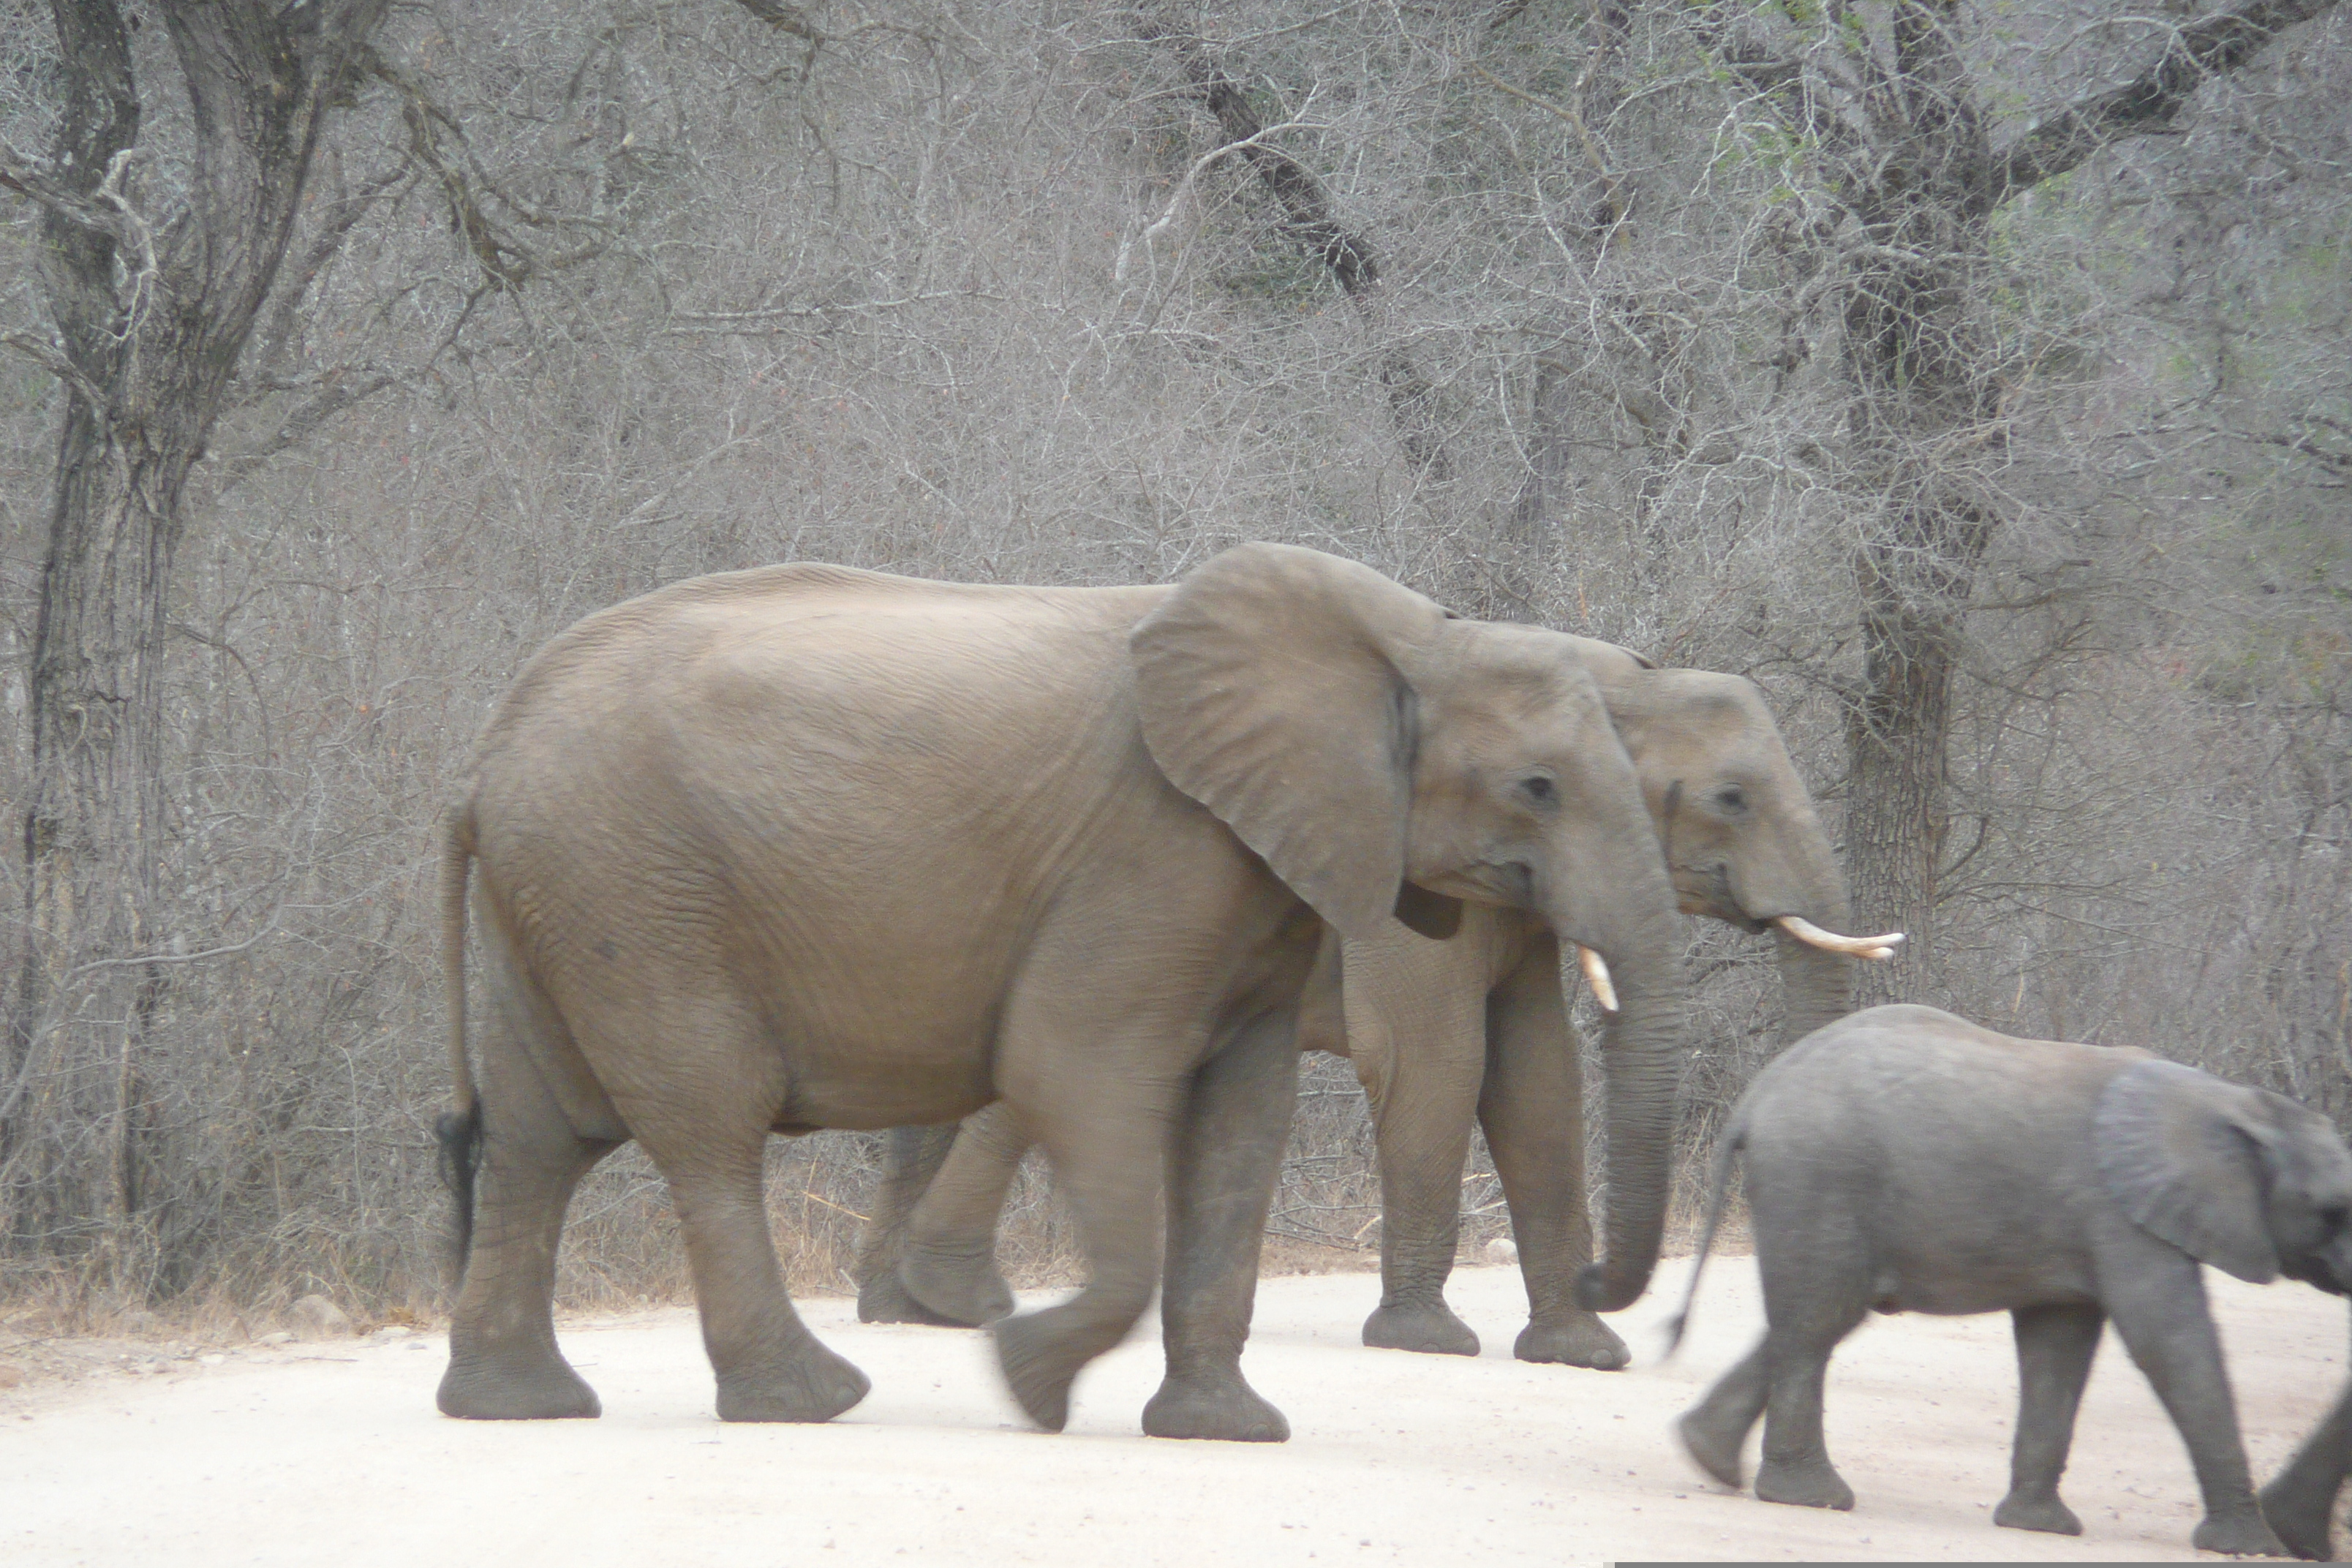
(1642, 1049)
(1816, 985)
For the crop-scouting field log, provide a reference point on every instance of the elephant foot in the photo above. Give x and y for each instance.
(2243, 1535)
(1429, 1328)
(815, 1384)
(477, 1388)
(1223, 1409)
(1579, 1338)
(2020, 1510)
(1805, 1483)
(884, 1299)
(2300, 1518)
(1716, 1452)
(962, 1288)
(1039, 1364)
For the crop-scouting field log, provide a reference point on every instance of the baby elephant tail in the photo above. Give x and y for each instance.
(1726, 1149)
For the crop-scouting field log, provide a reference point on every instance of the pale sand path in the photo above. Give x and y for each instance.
(332, 1453)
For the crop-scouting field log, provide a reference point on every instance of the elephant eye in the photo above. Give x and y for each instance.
(1540, 789)
(1731, 797)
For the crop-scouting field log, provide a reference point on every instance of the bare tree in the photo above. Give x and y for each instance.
(1906, 141)
(160, 245)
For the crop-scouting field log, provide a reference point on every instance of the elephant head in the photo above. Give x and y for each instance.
(2244, 1179)
(1739, 835)
(1386, 759)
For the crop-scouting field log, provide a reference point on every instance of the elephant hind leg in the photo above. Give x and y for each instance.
(1813, 1297)
(503, 1361)
(911, 1157)
(1715, 1431)
(2054, 1347)
(710, 1150)
(948, 1263)
(770, 1367)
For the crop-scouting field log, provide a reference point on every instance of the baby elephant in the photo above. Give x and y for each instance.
(1905, 1160)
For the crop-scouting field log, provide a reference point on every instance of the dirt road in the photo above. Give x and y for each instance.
(331, 1451)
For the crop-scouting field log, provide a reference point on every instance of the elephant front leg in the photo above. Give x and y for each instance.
(1102, 1102)
(2159, 1309)
(948, 1265)
(911, 1156)
(503, 1362)
(2054, 1347)
(2302, 1500)
(1532, 1107)
(1420, 1050)
(770, 1367)
(1222, 1166)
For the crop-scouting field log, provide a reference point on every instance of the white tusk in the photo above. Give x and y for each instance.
(1596, 975)
(1805, 931)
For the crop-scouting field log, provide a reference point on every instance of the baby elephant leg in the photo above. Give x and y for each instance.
(2161, 1314)
(1813, 1259)
(1716, 1429)
(2055, 1346)
(2302, 1500)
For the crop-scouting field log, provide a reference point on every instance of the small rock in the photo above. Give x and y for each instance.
(391, 1331)
(316, 1318)
(280, 1338)
(214, 1359)
(1502, 1250)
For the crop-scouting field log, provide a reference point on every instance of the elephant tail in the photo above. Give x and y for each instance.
(458, 1129)
(1726, 1149)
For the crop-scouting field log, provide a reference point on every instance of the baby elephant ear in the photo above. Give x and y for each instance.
(2182, 1155)
(1273, 689)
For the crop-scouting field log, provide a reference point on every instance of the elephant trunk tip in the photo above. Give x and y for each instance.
(1599, 1289)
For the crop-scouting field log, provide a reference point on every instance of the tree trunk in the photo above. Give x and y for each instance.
(153, 311)
(1907, 143)
(1922, 413)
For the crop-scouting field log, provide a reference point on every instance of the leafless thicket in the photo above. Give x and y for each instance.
(1977, 380)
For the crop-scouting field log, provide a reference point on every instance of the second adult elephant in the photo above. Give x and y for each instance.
(1472, 1029)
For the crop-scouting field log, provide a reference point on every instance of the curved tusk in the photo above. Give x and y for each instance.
(1596, 975)
(1806, 932)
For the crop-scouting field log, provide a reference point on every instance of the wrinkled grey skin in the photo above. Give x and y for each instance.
(808, 847)
(2301, 1502)
(1905, 1160)
(1443, 1033)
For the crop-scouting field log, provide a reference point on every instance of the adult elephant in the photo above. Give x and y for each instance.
(808, 847)
(1471, 1028)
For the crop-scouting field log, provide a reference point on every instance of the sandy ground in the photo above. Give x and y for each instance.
(331, 1451)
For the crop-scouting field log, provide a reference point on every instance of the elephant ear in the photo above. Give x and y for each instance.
(2183, 1154)
(1273, 690)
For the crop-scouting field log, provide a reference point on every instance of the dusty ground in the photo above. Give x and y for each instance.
(331, 1451)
